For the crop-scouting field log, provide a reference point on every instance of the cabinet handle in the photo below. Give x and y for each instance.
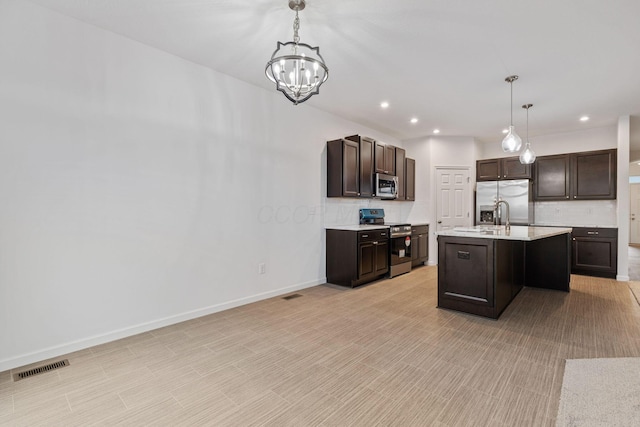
(592, 232)
(358, 194)
(375, 243)
(365, 235)
(567, 197)
(574, 197)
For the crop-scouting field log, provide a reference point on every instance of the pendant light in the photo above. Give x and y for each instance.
(527, 156)
(512, 142)
(296, 68)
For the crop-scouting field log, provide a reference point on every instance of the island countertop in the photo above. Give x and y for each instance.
(517, 232)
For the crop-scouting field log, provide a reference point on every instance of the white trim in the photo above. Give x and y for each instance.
(621, 278)
(70, 347)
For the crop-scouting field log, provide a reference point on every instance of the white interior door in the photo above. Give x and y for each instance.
(634, 214)
(452, 203)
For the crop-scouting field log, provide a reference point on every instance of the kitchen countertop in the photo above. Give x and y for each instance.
(498, 232)
(575, 226)
(357, 227)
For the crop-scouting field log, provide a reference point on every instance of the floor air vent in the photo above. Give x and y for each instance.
(40, 370)
(292, 296)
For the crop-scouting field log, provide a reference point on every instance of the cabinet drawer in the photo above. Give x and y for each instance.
(373, 235)
(595, 232)
(420, 229)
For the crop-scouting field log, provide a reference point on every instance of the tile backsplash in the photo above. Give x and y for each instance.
(589, 213)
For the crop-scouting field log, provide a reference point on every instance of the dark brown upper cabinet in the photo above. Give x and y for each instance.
(400, 156)
(385, 158)
(504, 168)
(552, 177)
(367, 177)
(410, 175)
(589, 175)
(343, 168)
(513, 169)
(594, 175)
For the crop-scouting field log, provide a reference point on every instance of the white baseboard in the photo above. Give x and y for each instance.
(84, 343)
(622, 278)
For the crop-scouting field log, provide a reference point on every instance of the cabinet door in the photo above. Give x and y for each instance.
(366, 259)
(350, 169)
(390, 159)
(513, 169)
(596, 255)
(400, 173)
(382, 257)
(552, 178)
(415, 250)
(423, 247)
(593, 175)
(366, 167)
(379, 158)
(488, 170)
(410, 178)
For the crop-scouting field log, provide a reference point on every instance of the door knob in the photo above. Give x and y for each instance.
(439, 222)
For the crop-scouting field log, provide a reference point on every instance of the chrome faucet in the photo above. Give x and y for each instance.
(507, 225)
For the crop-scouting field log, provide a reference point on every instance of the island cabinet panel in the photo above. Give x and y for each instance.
(479, 276)
(548, 263)
(552, 177)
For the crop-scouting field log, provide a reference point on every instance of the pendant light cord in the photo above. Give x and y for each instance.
(511, 86)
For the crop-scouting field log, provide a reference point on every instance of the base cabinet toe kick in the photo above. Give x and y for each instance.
(481, 273)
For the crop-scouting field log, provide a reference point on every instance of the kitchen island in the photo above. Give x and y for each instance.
(481, 269)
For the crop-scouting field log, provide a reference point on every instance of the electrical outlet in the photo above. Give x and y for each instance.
(262, 268)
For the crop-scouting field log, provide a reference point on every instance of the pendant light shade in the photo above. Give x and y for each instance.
(512, 142)
(527, 156)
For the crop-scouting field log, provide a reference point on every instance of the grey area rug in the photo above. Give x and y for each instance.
(600, 392)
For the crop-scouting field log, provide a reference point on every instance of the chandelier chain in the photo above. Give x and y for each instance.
(296, 27)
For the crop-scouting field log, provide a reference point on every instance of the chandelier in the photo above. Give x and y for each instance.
(512, 142)
(296, 68)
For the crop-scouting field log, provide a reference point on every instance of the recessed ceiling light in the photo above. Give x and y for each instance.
(436, 131)
(584, 118)
(505, 130)
(414, 120)
(384, 104)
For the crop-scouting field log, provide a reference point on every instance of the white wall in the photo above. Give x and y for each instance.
(436, 152)
(568, 142)
(140, 189)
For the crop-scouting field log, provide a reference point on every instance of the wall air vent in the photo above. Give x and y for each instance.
(40, 370)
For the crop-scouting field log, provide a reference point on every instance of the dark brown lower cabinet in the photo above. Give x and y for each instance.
(356, 257)
(419, 244)
(477, 276)
(595, 251)
(482, 276)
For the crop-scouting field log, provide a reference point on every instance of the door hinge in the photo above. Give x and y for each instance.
(468, 179)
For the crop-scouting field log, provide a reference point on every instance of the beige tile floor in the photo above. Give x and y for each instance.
(379, 355)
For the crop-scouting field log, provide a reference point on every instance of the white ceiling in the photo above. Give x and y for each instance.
(443, 61)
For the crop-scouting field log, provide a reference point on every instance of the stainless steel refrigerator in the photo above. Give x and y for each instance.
(516, 192)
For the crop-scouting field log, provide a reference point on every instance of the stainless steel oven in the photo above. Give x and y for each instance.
(400, 249)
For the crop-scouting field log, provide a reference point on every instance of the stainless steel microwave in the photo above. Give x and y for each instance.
(386, 186)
